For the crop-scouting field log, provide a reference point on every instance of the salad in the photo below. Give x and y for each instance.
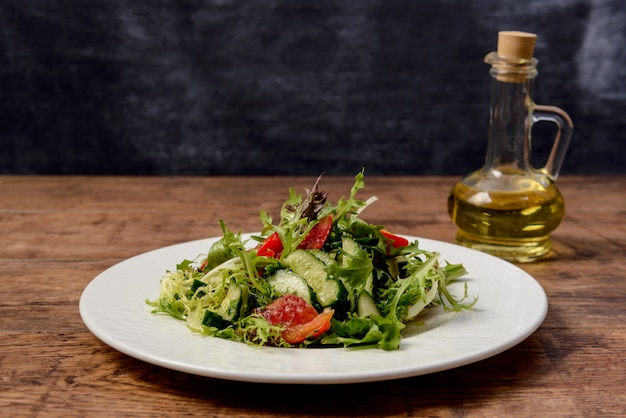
(320, 276)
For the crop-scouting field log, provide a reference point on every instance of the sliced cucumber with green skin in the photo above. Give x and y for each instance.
(324, 257)
(419, 306)
(288, 282)
(214, 320)
(366, 305)
(328, 290)
(350, 246)
(229, 308)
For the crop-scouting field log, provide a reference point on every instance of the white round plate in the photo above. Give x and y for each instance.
(511, 306)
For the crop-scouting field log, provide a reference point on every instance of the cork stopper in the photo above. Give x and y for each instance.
(516, 45)
(513, 62)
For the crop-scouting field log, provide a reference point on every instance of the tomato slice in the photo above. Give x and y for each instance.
(314, 328)
(395, 240)
(271, 247)
(300, 319)
(316, 238)
(288, 310)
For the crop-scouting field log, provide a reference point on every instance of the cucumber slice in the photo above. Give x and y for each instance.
(350, 246)
(328, 290)
(324, 257)
(214, 320)
(419, 306)
(366, 305)
(229, 308)
(288, 282)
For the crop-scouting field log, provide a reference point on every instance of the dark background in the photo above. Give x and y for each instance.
(294, 87)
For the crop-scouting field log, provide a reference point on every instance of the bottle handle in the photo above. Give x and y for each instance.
(565, 128)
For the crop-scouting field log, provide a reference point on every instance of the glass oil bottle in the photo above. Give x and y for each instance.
(508, 208)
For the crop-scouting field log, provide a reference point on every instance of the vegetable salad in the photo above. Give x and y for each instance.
(320, 276)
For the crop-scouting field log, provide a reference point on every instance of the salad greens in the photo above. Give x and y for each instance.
(320, 276)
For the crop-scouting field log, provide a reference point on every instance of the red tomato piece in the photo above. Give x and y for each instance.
(316, 238)
(314, 328)
(288, 310)
(271, 247)
(395, 240)
(300, 319)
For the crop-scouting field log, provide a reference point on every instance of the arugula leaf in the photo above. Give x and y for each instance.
(352, 205)
(250, 273)
(221, 251)
(373, 330)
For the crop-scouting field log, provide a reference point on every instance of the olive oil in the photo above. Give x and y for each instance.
(512, 224)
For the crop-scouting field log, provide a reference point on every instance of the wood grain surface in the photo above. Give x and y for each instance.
(58, 233)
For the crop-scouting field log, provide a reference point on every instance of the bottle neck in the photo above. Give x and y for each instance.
(509, 125)
(510, 115)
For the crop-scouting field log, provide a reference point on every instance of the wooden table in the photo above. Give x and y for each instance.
(58, 233)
